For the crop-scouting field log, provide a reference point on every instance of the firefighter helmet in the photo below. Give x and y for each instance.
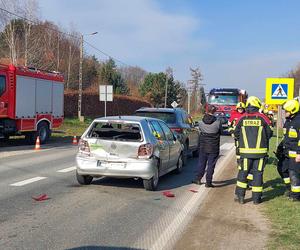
(253, 101)
(291, 106)
(240, 105)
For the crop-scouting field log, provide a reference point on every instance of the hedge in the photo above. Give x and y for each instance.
(92, 107)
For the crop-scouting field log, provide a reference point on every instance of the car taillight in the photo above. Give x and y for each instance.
(177, 130)
(83, 147)
(145, 151)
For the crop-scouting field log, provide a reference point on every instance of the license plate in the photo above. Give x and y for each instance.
(116, 165)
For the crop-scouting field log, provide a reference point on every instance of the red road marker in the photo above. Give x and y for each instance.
(42, 197)
(193, 191)
(168, 194)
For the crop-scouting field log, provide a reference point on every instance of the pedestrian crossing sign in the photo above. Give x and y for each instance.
(278, 90)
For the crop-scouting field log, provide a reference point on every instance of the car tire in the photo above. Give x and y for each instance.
(179, 164)
(151, 184)
(185, 153)
(84, 179)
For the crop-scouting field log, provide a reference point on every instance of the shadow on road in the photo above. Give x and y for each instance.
(103, 248)
(19, 143)
(168, 181)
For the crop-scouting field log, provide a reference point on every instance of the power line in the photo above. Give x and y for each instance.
(102, 52)
(61, 32)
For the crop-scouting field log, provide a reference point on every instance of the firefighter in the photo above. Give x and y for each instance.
(235, 116)
(253, 133)
(291, 145)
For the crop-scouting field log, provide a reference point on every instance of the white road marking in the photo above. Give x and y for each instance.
(28, 181)
(66, 170)
(226, 146)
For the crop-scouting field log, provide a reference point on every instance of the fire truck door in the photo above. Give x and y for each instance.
(3, 95)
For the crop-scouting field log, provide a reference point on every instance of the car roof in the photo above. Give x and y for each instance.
(125, 118)
(167, 110)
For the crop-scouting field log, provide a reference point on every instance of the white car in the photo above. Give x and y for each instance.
(128, 146)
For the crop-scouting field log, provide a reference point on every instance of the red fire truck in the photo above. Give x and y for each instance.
(31, 102)
(225, 99)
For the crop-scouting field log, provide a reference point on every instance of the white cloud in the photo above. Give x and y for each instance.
(135, 31)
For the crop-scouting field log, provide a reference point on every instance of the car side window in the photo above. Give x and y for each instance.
(167, 131)
(2, 84)
(157, 130)
(186, 118)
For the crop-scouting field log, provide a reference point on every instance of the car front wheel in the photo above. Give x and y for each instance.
(179, 164)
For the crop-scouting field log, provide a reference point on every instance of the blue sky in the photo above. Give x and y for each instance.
(235, 43)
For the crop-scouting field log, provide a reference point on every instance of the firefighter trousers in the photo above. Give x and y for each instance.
(256, 166)
(283, 170)
(295, 184)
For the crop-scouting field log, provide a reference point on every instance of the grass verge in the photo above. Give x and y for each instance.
(283, 213)
(71, 127)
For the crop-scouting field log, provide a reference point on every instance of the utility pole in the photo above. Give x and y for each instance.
(80, 77)
(169, 72)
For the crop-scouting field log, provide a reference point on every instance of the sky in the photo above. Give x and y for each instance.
(234, 43)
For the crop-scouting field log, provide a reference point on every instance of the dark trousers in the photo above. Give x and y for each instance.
(294, 172)
(283, 170)
(207, 160)
(257, 167)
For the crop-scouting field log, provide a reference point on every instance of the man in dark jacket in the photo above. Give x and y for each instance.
(210, 132)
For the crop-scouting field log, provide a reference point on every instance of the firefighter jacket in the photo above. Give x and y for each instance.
(291, 140)
(253, 133)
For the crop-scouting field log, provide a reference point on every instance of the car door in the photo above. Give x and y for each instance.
(194, 131)
(163, 145)
(191, 130)
(174, 147)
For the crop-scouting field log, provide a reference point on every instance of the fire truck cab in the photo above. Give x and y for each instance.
(31, 102)
(226, 99)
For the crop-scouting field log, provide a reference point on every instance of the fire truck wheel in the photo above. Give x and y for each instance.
(43, 132)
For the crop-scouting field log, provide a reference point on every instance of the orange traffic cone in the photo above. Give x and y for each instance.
(74, 140)
(37, 144)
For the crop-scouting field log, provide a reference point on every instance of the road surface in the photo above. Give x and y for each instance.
(108, 214)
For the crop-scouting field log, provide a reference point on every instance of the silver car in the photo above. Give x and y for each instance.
(128, 146)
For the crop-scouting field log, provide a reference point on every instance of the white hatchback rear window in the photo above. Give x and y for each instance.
(116, 131)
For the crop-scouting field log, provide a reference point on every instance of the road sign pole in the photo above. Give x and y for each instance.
(105, 101)
(279, 118)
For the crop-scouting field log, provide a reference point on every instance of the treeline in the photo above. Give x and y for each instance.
(27, 40)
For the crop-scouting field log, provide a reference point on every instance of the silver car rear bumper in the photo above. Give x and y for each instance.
(139, 168)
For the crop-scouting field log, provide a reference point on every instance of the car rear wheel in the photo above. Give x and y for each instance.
(84, 179)
(179, 165)
(151, 184)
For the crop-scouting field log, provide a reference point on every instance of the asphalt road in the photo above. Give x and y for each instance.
(108, 214)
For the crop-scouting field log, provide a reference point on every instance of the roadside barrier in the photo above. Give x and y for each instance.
(75, 142)
(37, 144)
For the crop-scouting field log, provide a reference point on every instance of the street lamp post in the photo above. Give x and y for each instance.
(80, 76)
(168, 73)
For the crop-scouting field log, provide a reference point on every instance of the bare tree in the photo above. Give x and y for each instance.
(196, 87)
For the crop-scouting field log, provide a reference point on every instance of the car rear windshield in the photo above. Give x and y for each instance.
(167, 117)
(116, 131)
